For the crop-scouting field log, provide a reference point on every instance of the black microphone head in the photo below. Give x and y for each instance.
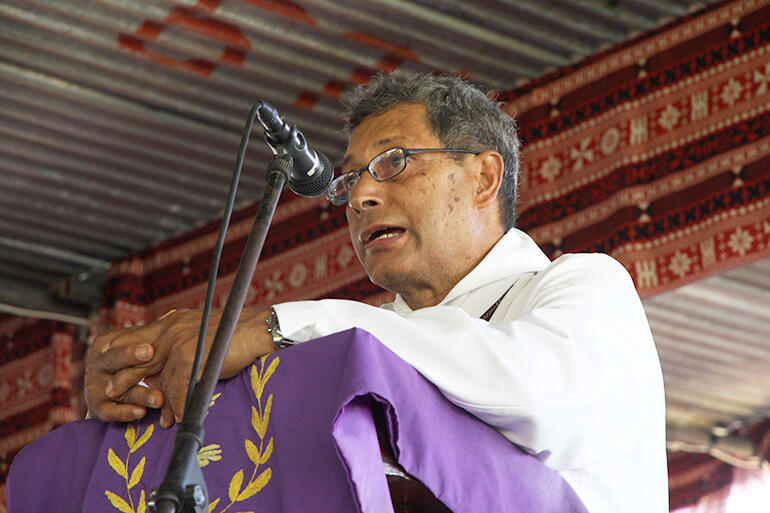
(318, 182)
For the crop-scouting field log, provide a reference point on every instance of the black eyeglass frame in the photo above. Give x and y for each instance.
(358, 172)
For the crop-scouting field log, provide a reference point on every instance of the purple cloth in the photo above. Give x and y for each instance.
(295, 433)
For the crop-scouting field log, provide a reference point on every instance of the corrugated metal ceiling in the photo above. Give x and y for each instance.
(120, 120)
(713, 339)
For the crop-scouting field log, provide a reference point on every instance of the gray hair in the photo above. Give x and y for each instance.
(460, 114)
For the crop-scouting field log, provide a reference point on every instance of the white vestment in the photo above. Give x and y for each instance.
(566, 368)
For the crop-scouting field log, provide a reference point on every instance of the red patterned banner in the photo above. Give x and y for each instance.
(37, 379)
(658, 152)
(307, 255)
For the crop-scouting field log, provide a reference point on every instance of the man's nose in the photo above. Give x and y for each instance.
(365, 194)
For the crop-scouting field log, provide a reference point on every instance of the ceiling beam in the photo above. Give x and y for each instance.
(18, 298)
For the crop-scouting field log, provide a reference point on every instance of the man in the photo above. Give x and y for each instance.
(557, 355)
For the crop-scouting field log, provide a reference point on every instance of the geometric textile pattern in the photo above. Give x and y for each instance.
(39, 370)
(656, 152)
(307, 255)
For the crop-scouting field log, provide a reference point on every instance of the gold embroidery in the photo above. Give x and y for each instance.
(122, 469)
(213, 400)
(237, 492)
(260, 418)
(211, 452)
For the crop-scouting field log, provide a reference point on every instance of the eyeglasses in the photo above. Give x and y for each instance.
(385, 166)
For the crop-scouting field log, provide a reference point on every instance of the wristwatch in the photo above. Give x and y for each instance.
(274, 329)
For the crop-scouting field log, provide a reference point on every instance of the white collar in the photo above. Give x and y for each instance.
(513, 255)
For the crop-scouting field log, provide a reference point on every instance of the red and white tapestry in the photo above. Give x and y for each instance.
(40, 383)
(307, 255)
(657, 152)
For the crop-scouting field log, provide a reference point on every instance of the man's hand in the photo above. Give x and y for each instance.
(98, 376)
(162, 354)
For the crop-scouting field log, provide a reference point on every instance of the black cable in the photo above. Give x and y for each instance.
(217, 255)
(183, 489)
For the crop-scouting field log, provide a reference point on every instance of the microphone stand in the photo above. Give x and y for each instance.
(183, 489)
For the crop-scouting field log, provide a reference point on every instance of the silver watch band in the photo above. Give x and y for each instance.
(274, 329)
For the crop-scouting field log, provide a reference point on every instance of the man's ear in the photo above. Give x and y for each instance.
(489, 177)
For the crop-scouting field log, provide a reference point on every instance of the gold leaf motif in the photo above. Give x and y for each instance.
(252, 451)
(142, 439)
(209, 453)
(270, 370)
(123, 469)
(256, 384)
(255, 418)
(256, 485)
(235, 486)
(130, 435)
(118, 502)
(257, 453)
(264, 419)
(136, 475)
(211, 403)
(259, 380)
(142, 508)
(268, 452)
(116, 464)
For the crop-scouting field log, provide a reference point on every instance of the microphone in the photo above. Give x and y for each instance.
(311, 171)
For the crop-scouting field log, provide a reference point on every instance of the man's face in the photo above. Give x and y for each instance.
(411, 233)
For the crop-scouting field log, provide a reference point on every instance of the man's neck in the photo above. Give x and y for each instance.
(424, 300)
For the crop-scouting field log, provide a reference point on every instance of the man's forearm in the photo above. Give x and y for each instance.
(118, 360)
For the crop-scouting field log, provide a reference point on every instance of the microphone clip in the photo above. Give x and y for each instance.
(310, 172)
(290, 142)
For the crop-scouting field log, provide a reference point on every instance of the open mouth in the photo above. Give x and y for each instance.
(384, 233)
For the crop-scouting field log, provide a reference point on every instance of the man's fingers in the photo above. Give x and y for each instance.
(120, 358)
(103, 341)
(139, 395)
(166, 416)
(175, 389)
(118, 337)
(109, 411)
(124, 380)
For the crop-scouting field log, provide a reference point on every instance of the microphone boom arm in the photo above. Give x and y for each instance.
(184, 489)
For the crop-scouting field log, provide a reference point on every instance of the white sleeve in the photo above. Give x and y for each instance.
(565, 372)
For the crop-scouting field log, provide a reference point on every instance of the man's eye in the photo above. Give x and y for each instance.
(395, 161)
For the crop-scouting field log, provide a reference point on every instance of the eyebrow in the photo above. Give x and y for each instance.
(347, 158)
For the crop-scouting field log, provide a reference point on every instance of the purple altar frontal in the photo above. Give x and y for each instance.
(294, 432)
